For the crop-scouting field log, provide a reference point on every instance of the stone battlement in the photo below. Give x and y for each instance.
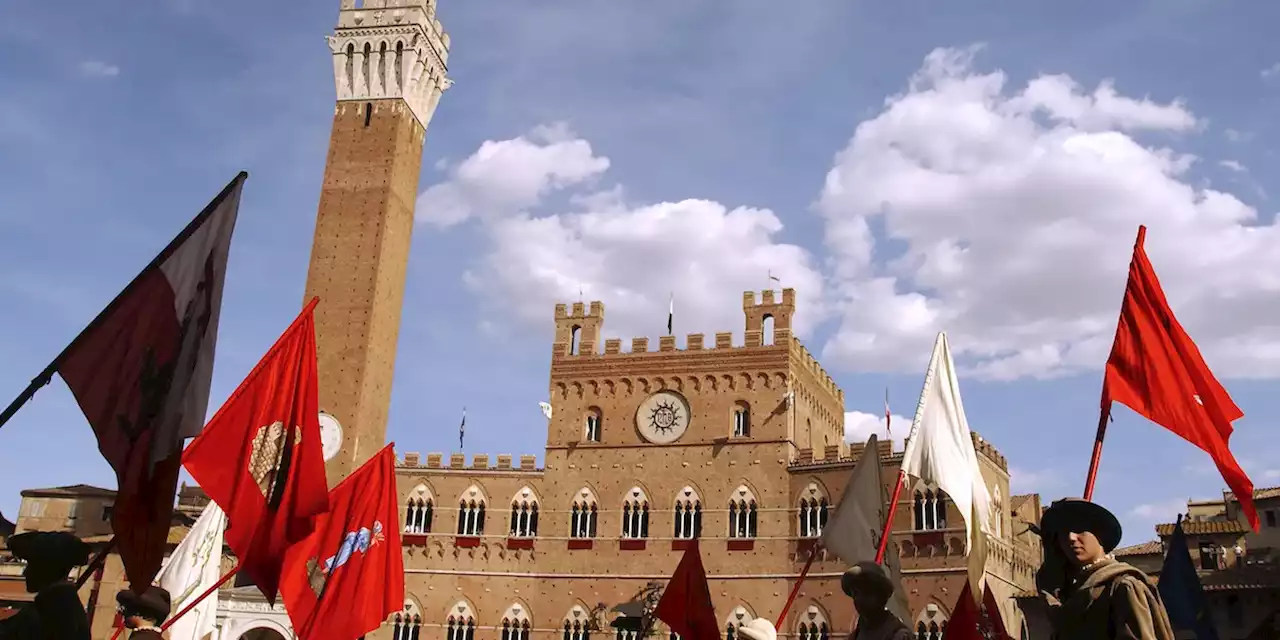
(582, 323)
(458, 462)
(847, 452)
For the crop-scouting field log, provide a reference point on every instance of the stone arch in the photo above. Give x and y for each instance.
(814, 505)
(931, 622)
(562, 389)
(407, 623)
(635, 512)
(265, 630)
(743, 512)
(729, 382)
(517, 621)
(763, 380)
(687, 513)
(644, 385)
(628, 386)
(592, 424)
(420, 508)
(738, 617)
(745, 380)
(610, 387)
(694, 383)
(740, 419)
(584, 513)
(524, 513)
(472, 506)
(813, 624)
(577, 622)
(460, 620)
(577, 389)
(710, 382)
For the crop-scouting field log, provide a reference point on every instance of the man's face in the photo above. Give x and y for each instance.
(1081, 547)
(39, 575)
(869, 601)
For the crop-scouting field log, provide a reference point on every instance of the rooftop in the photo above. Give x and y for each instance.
(1265, 493)
(1153, 547)
(1203, 527)
(70, 491)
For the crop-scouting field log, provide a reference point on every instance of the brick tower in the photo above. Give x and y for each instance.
(389, 65)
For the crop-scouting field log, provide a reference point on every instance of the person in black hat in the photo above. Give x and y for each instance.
(1090, 594)
(870, 587)
(144, 613)
(57, 611)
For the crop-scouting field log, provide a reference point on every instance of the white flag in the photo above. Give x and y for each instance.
(546, 409)
(940, 450)
(194, 567)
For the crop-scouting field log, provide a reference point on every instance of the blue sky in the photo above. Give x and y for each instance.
(902, 177)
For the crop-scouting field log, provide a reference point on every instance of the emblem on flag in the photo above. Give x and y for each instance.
(268, 454)
(355, 541)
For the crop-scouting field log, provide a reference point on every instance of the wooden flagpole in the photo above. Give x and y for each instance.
(804, 573)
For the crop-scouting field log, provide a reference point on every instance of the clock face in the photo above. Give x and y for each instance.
(330, 435)
(663, 417)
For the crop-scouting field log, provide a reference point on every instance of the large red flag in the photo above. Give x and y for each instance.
(971, 621)
(343, 580)
(260, 457)
(686, 602)
(1156, 370)
(141, 374)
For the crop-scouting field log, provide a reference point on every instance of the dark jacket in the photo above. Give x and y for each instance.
(56, 614)
(146, 634)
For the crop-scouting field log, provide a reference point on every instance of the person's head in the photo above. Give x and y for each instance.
(150, 609)
(1083, 531)
(869, 586)
(758, 629)
(50, 556)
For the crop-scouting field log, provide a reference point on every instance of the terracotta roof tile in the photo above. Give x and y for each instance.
(1265, 493)
(1153, 547)
(1246, 577)
(1203, 527)
(1016, 502)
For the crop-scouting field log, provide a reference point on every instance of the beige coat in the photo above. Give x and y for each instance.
(1110, 601)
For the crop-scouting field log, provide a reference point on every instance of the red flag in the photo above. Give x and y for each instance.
(344, 579)
(686, 602)
(1156, 370)
(260, 457)
(971, 621)
(141, 372)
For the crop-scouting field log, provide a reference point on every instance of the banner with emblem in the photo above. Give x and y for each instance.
(260, 458)
(348, 576)
(193, 567)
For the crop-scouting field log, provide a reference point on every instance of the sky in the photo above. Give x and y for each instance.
(908, 167)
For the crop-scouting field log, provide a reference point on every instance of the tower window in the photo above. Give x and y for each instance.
(688, 515)
(471, 518)
(583, 520)
(418, 514)
(635, 515)
(930, 509)
(741, 420)
(368, 113)
(592, 427)
(575, 336)
(766, 331)
(524, 518)
(742, 519)
(813, 516)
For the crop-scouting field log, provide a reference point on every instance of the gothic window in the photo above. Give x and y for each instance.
(813, 626)
(582, 519)
(742, 513)
(524, 516)
(930, 508)
(382, 63)
(688, 514)
(997, 513)
(364, 71)
(350, 67)
(813, 511)
(741, 420)
(635, 514)
(737, 618)
(577, 624)
(591, 426)
(461, 623)
(399, 63)
(931, 625)
(515, 623)
(471, 513)
(406, 627)
(419, 510)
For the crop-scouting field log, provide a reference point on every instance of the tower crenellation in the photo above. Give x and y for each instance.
(389, 49)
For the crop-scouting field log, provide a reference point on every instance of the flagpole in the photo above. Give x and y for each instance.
(887, 531)
(1105, 413)
(207, 592)
(804, 573)
(46, 375)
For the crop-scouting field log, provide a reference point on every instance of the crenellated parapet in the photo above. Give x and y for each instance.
(479, 462)
(984, 448)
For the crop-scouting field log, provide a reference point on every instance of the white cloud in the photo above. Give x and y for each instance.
(1233, 165)
(1012, 216)
(1237, 136)
(510, 176)
(858, 426)
(631, 256)
(98, 69)
(1032, 481)
(1271, 71)
(1166, 511)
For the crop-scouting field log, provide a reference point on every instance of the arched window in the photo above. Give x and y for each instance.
(591, 425)
(742, 513)
(813, 625)
(635, 514)
(524, 515)
(737, 618)
(688, 514)
(741, 419)
(419, 510)
(582, 519)
(997, 513)
(471, 512)
(813, 511)
(460, 623)
(577, 625)
(515, 623)
(930, 508)
(406, 627)
(931, 624)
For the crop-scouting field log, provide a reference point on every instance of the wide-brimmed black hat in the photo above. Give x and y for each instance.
(153, 604)
(1076, 515)
(50, 547)
(866, 575)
